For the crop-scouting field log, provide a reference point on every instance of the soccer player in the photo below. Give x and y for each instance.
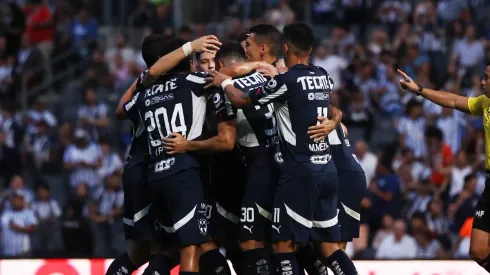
(477, 106)
(137, 228)
(221, 132)
(305, 204)
(152, 105)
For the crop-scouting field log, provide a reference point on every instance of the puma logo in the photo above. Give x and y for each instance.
(277, 228)
(248, 228)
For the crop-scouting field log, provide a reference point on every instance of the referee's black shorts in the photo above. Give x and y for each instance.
(482, 211)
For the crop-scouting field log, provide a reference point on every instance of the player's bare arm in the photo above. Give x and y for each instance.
(120, 114)
(224, 141)
(238, 98)
(325, 125)
(209, 44)
(242, 68)
(444, 99)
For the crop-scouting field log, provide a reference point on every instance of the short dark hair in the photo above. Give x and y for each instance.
(152, 48)
(269, 35)
(171, 46)
(434, 132)
(300, 36)
(242, 37)
(230, 50)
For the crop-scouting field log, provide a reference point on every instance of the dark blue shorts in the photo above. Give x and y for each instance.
(257, 201)
(352, 189)
(227, 184)
(305, 208)
(137, 203)
(179, 209)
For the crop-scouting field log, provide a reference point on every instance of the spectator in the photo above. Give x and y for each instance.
(40, 30)
(462, 206)
(407, 162)
(111, 162)
(106, 215)
(142, 15)
(438, 223)
(17, 184)
(10, 161)
(384, 192)
(84, 32)
(81, 159)
(93, 114)
(41, 112)
(459, 171)
(398, 245)
(427, 248)
(162, 20)
(367, 159)
(385, 230)
(47, 212)
(440, 157)
(17, 225)
(419, 197)
(412, 128)
(333, 64)
(29, 64)
(122, 49)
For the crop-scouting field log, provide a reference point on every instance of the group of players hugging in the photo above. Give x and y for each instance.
(233, 148)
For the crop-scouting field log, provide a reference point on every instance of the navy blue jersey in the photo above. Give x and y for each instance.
(256, 125)
(139, 145)
(300, 96)
(174, 103)
(342, 152)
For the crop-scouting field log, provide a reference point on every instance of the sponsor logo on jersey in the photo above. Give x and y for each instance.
(161, 88)
(320, 159)
(164, 164)
(250, 80)
(318, 96)
(216, 98)
(315, 83)
(318, 146)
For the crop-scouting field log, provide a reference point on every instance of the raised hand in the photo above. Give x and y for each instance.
(407, 83)
(208, 44)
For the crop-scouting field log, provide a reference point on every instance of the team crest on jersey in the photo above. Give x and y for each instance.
(278, 157)
(147, 102)
(203, 226)
(272, 84)
(216, 98)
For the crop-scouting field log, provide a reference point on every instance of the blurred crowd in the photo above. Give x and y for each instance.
(61, 162)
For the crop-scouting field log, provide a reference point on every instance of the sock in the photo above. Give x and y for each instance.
(485, 263)
(213, 263)
(158, 264)
(308, 259)
(256, 262)
(341, 264)
(121, 264)
(286, 264)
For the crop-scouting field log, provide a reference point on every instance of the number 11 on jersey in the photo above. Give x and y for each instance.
(322, 111)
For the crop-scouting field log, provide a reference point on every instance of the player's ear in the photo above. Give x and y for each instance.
(263, 49)
(286, 48)
(220, 65)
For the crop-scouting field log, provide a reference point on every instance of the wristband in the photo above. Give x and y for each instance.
(187, 48)
(419, 91)
(226, 83)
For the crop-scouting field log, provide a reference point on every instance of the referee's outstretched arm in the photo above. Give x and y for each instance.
(444, 99)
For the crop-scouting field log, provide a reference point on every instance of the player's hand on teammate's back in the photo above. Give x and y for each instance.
(207, 44)
(322, 129)
(175, 143)
(268, 70)
(407, 82)
(215, 79)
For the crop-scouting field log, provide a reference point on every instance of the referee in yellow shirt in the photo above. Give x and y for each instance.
(477, 106)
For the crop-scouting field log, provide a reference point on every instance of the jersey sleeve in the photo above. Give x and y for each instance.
(196, 82)
(130, 108)
(475, 104)
(275, 90)
(139, 82)
(222, 108)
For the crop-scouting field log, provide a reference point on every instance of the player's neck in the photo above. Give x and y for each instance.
(299, 61)
(269, 59)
